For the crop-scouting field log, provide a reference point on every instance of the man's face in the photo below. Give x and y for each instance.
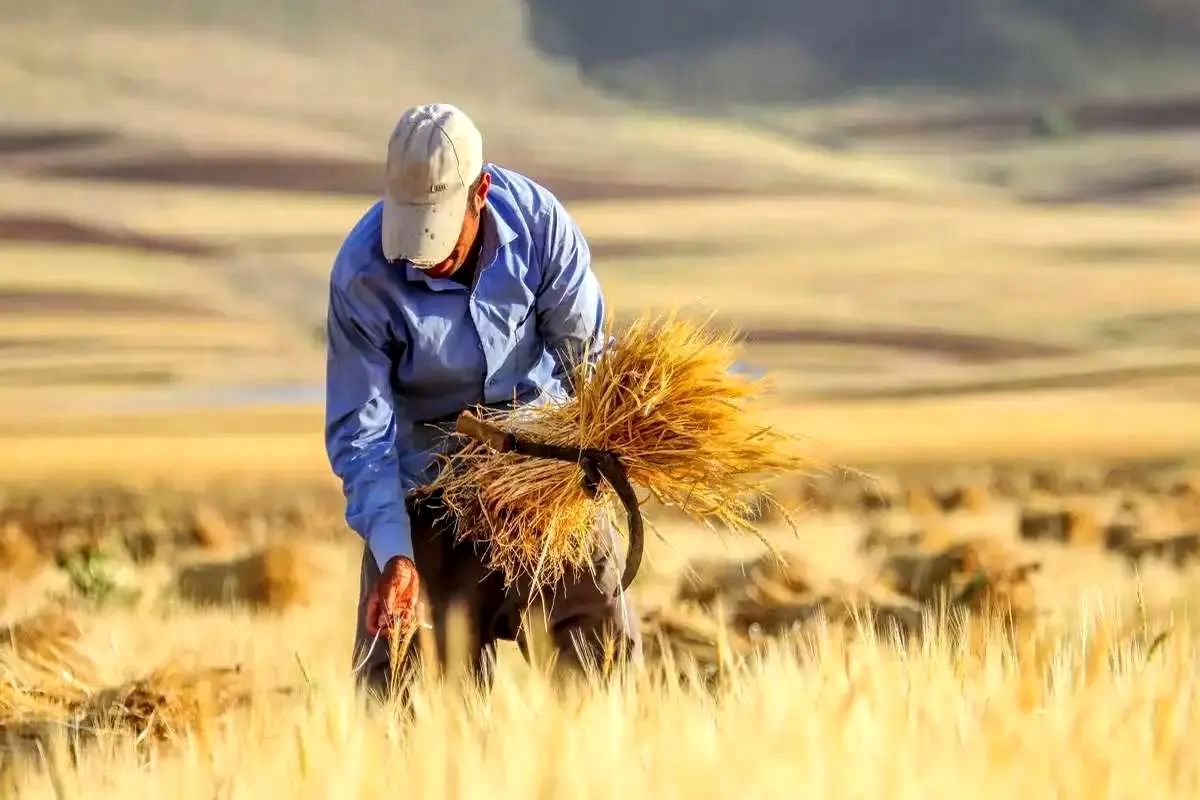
(466, 236)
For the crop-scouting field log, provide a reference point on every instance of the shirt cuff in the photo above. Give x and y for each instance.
(389, 542)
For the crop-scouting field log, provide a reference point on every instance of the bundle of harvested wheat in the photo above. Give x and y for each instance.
(767, 578)
(20, 558)
(46, 685)
(977, 575)
(166, 704)
(19, 555)
(280, 576)
(43, 671)
(665, 398)
(47, 642)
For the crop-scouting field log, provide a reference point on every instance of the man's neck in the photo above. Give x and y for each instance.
(465, 274)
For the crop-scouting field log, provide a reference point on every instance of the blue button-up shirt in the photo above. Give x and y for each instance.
(405, 349)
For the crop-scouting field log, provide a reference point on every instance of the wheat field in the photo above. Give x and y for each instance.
(1100, 711)
(1093, 695)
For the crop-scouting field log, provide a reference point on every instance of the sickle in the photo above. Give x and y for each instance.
(595, 464)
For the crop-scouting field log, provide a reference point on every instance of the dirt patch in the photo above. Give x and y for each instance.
(83, 302)
(1155, 114)
(1003, 122)
(1082, 379)
(1129, 185)
(59, 230)
(1131, 253)
(1173, 328)
(966, 347)
(107, 376)
(656, 248)
(74, 345)
(40, 140)
(259, 171)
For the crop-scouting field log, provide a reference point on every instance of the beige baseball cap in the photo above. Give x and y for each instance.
(433, 157)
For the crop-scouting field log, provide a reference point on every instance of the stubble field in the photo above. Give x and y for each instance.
(998, 628)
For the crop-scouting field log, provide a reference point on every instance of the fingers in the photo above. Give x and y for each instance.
(404, 614)
(383, 617)
(372, 614)
(385, 622)
(404, 581)
(384, 613)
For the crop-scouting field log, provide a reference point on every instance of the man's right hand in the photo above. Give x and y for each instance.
(392, 604)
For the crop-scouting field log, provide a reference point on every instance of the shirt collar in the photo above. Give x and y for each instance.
(496, 234)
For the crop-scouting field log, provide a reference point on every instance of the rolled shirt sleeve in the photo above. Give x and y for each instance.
(361, 423)
(570, 304)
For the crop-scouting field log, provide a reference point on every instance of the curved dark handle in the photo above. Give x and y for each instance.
(470, 425)
(591, 461)
(614, 472)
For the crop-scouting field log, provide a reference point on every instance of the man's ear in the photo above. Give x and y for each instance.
(485, 183)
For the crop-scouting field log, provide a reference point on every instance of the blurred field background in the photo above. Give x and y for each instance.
(962, 239)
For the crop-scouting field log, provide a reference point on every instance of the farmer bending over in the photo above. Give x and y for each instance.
(466, 284)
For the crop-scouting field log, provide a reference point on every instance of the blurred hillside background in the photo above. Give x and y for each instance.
(948, 229)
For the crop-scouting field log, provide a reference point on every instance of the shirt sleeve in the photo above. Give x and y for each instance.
(570, 304)
(361, 422)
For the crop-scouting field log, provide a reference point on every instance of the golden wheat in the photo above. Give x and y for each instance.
(664, 397)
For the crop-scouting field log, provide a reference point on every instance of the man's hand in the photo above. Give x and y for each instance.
(392, 604)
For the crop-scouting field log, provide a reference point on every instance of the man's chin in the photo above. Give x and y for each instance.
(443, 270)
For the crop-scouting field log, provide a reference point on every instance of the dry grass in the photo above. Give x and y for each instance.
(47, 682)
(211, 530)
(663, 397)
(1100, 709)
(167, 704)
(44, 673)
(735, 606)
(19, 556)
(44, 649)
(764, 678)
(777, 679)
(981, 576)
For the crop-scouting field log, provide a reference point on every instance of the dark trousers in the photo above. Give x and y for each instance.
(584, 619)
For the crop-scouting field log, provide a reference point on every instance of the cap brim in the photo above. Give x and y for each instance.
(423, 234)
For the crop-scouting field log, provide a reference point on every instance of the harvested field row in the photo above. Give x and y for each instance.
(60, 230)
(344, 176)
(17, 141)
(16, 301)
(268, 624)
(287, 506)
(738, 606)
(965, 347)
(998, 122)
(1138, 513)
(109, 375)
(1066, 378)
(1132, 253)
(50, 687)
(1126, 185)
(93, 346)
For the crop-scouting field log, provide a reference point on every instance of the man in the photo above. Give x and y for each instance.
(466, 284)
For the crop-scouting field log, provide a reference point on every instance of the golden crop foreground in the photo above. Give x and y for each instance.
(1104, 710)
